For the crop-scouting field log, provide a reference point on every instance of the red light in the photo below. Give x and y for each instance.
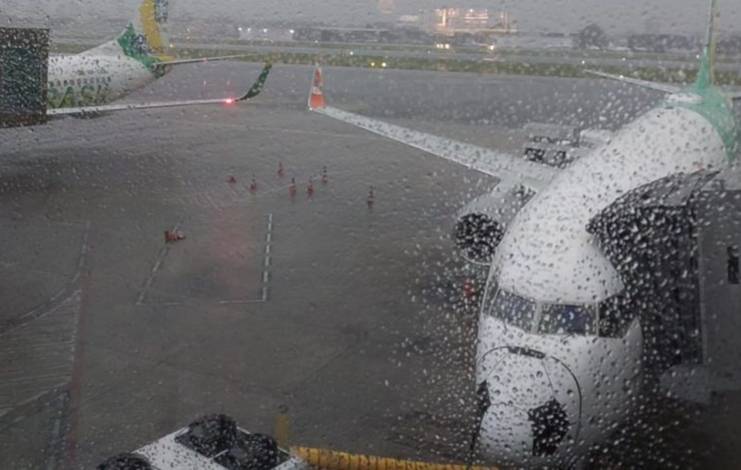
(230, 101)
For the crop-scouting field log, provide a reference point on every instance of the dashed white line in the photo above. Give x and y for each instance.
(155, 268)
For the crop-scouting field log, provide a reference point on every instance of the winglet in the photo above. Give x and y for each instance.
(316, 96)
(259, 84)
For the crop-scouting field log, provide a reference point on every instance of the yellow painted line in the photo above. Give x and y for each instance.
(326, 459)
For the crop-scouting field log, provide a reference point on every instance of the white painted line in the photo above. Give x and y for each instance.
(158, 263)
(241, 302)
(266, 264)
(162, 304)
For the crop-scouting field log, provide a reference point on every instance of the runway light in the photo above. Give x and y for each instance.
(230, 101)
(383, 64)
(373, 64)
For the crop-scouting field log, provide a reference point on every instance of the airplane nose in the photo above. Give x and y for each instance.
(534, 407)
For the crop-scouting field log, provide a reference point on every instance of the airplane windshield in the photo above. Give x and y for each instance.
(567, 319)
(514, 310)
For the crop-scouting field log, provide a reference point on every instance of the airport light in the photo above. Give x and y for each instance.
(383, 64)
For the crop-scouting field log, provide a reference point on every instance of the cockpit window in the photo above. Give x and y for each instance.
(514, 310)
(568, 319)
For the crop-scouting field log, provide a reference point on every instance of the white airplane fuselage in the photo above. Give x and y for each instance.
(547, 262)
(94, 78)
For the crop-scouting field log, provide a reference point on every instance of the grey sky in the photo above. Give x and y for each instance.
(617, 16)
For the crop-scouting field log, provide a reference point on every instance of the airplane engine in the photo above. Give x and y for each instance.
(481, 224)
(477, 236)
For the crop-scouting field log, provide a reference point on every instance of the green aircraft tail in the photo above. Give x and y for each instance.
(145, 37)
(706, 71)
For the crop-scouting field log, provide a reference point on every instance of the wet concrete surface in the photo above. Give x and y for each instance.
(349, 315)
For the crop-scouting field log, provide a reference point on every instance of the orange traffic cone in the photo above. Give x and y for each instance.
(316, 98)
(310, 188)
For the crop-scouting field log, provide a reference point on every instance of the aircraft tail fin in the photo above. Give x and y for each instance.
(706, 71)
(145, 37)
(316, 95)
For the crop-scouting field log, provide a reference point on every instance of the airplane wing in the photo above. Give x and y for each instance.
(663, 87)
(510, 169)
(81, 111)
(198, 60)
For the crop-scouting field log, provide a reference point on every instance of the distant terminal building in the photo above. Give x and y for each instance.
(450, 21)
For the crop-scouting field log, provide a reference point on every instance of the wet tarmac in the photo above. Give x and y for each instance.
(347, 314)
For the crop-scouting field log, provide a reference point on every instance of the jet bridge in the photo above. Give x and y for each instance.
(24, 59)
(676, 243)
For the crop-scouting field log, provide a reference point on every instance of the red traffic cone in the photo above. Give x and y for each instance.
(310, 188)
(280, 169)
(316, 98)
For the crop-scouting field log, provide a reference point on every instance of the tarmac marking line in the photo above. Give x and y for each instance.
(264, 291)
(49, 304)
(158, 263)
(266, 264)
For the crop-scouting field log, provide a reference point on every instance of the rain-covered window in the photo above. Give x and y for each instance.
(254, 234)
(513, 309)
(567, 319)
